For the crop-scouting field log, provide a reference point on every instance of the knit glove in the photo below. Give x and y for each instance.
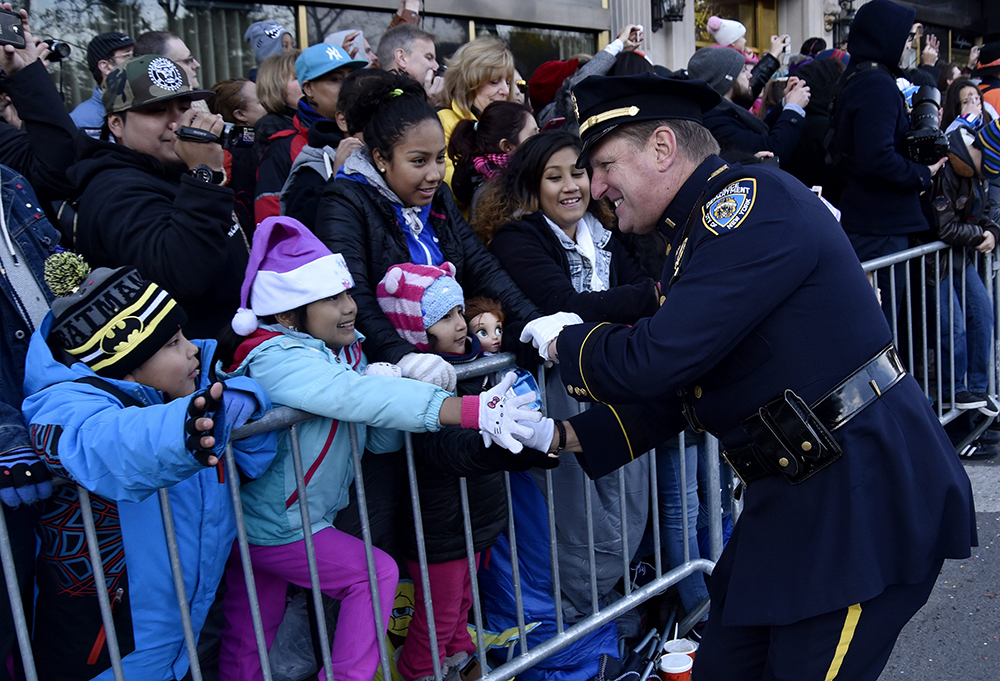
(500, 416)
(239, 406)
(383, 369)
(543, 330)
(193, 441)
(541, 435)
(422, 366)
(24, 478)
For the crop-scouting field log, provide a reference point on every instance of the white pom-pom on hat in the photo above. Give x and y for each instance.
(393, 279)
(244, 322)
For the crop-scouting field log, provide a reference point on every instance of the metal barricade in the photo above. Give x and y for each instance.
(918, 337)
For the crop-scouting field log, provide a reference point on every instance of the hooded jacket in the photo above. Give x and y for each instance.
(310, 171)
(301, 372)
(177, 231)
(123, 454)
(357, 219)
(807, 161)
(735, 128)
(882, 187)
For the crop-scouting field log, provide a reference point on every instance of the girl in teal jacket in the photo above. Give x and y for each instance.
(303, 349)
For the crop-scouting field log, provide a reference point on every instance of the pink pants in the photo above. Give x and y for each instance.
(451, 595)
(343, 575)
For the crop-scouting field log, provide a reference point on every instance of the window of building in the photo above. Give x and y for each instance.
(759, 16)
(534, 46)
(213, 31)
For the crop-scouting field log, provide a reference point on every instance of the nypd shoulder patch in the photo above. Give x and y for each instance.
(727, 209)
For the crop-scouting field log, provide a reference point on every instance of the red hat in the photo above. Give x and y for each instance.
(547, 79)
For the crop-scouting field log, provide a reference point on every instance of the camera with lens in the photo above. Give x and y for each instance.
(237, 136)
(925, 143)
(233, 136)
(58, 50)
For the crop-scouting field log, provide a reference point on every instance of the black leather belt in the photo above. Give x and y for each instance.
(796, 441)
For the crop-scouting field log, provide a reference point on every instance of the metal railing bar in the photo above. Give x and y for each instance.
(310, 546)
(233, 478)
(682, 441)
(100, 584)
(16, 604)
(190, 640)
(623, 511)
(597, 620)
(470, 551)
(908, 254)
(366, 535)
(515, 568)
(425, 578)
(654, 497)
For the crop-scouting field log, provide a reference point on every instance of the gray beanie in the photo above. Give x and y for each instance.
(265, 38)
(717, 66)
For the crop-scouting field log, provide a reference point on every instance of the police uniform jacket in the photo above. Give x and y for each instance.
(770, 296)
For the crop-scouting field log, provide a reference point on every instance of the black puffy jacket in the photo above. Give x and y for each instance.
(355, 220)
(537, 261)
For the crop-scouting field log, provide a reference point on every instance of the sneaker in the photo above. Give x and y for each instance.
(966, 400)
(990, 408)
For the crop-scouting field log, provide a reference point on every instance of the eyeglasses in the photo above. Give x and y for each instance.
(522, 85)
(187, 60)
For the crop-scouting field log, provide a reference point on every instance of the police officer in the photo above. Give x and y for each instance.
(770, 337)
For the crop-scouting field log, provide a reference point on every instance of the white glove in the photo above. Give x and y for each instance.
(541, 435)
(542, 331)
(499, 416)
(422, 366)
(383, 369)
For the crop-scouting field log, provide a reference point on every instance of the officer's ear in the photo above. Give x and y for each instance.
(663, 145)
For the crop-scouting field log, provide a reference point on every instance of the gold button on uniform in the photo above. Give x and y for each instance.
(807, 446)
(782, 462)
(570, 389)
(697, 392)
(663, 299)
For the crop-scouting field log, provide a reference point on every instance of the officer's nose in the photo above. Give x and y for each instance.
(598, 185)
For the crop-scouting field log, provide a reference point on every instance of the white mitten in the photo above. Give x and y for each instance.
(499, 416)
(422, 366)
(542, 331)
(541, 435)
(383, 369)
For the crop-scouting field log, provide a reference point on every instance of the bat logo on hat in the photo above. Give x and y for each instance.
(122, 336)
(164, 74)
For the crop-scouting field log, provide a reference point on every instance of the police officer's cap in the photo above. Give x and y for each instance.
(605, 102)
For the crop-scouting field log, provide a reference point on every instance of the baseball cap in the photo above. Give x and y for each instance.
(319, 60)
(147, 80)
(103, 46)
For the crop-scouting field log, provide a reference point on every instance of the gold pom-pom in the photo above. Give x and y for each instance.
(64, 272)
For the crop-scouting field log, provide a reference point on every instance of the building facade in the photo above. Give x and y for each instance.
(537, 30)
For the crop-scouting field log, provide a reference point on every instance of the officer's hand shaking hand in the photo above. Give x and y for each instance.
(543, 332)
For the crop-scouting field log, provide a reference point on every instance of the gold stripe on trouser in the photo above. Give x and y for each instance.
(846, 636)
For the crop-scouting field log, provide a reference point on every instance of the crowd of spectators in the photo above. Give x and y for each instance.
(424, 215)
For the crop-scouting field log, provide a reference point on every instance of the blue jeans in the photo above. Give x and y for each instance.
(692, 589)
(973, 331)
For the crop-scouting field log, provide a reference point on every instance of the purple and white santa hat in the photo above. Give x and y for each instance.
(288, 268)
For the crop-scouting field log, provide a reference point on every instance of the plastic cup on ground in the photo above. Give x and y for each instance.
(676, 667)
(681, 645)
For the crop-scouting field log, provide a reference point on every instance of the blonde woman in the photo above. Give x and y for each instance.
(279, 92)
(481, 72)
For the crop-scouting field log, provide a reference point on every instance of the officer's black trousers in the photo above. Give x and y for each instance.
(852, 644)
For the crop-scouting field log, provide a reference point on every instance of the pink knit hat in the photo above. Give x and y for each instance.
(725, 31)
(288, 268)
(414, 297)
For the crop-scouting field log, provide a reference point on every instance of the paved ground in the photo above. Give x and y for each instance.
(955, 636)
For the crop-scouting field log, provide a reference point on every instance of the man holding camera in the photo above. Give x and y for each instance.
(156, 198)
(880, 203)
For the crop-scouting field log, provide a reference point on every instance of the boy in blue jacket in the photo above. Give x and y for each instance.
(120, 402)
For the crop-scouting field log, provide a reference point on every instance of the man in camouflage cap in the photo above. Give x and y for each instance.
(158, 202)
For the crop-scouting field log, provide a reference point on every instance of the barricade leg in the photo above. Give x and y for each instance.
(470, 554)
(300, 486)
(190, 638)
(16, 605)
(111, 635)
(366, 535)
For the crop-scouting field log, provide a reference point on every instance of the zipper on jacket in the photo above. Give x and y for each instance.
(95, 652)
